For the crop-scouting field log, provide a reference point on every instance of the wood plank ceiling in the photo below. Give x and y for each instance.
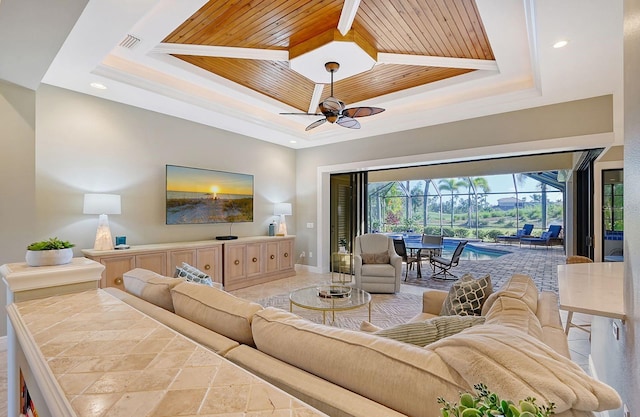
(442, 28)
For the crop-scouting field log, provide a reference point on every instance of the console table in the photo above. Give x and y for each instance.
(234, 263)
(25, 283)
(91, 354)
(592, 288)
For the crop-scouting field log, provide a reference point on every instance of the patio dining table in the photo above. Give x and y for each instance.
(419, 246)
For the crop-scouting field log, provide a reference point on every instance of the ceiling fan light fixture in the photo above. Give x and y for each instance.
(334, 110)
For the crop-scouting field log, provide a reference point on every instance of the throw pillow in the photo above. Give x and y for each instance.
(422, 333)
(466, 296)
(365, 326)
(193, 274)
(375, 258)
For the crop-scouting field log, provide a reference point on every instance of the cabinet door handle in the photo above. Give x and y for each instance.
(207, 267)
(255, 259)
(286, 255)
(236, 262)
(272, 257)
(118, 281)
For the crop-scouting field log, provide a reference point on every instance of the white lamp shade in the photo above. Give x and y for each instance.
(282, 208)
(101, 204)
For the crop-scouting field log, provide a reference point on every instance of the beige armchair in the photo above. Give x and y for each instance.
(370, 274)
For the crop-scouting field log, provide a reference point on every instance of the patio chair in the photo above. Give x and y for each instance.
(551, 236)
(444, 265)
(577, 259)
(409, 260)
(524, 232)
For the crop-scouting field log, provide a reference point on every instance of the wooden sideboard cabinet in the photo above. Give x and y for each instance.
(161, 258)
(255, 260)
(234, 263)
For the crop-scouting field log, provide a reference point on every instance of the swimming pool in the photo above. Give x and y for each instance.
(472, 252)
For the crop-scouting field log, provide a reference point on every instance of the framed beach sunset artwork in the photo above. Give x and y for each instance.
(198, 196)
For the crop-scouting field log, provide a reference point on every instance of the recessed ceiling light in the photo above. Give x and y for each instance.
(98, 86)
(293, 141)
(560, 44)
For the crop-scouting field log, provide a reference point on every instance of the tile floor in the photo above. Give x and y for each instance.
(539, 263)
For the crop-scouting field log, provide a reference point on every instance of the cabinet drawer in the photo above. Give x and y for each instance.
(272, 258)
(156, 262)
(177, 257)
(114, 269)
(254, 259)
(209, 260)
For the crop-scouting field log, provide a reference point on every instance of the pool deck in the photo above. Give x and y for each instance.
(539, 262)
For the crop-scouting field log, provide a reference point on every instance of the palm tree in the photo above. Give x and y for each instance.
(451, 185)
(477, 183)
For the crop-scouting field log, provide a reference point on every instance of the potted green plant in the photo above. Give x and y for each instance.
(488, 404)
(49, 252)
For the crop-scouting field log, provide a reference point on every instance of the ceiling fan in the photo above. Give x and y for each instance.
(334, 110)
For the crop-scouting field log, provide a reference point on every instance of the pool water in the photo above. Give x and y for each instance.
(471, 252)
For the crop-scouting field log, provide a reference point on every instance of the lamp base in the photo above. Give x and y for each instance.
(282, 226)
(103, 234)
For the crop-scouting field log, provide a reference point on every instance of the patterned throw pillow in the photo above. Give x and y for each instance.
(422, 333)
(193, 274)
(375, 258)
(466, 296)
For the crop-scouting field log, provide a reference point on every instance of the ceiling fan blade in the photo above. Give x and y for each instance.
(362, 111)
(348, 122)
(302, 114)
(315, 124)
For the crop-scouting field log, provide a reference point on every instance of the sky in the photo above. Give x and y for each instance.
(208, 181)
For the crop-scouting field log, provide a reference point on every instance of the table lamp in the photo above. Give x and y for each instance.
(102, 204)
(282, 209)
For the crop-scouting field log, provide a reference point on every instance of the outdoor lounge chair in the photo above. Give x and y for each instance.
(444, 265)
(547, 238)
(524, 232)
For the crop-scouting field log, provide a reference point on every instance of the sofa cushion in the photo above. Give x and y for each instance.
(216, 310)
(350, 358)
(378, 270)
(467, 296)
(519, 286)
(211, 340)
(428, 331)
(375, 258)
(151, 287)
(516, 365)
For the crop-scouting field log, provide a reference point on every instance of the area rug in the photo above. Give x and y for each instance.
(386, 310)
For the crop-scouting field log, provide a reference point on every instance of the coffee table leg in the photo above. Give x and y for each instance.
(290, 307)
(324, 317)
(369, 311)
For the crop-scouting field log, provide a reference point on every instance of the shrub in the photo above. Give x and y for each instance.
(494, 233)
(460, 232)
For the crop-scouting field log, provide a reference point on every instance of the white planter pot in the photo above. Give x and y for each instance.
(49, 257)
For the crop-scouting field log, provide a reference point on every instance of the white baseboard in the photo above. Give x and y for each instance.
(594, 374)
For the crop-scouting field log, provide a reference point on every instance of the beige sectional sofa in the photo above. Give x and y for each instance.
(520, 351)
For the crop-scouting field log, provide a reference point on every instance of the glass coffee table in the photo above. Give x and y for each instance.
(330, 298)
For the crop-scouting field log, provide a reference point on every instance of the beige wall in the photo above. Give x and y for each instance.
(85, 144)
(17, 173)
(567, 126)
(17, 169)
(618, 361)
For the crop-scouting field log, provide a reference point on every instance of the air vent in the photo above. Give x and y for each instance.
(129, 42)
